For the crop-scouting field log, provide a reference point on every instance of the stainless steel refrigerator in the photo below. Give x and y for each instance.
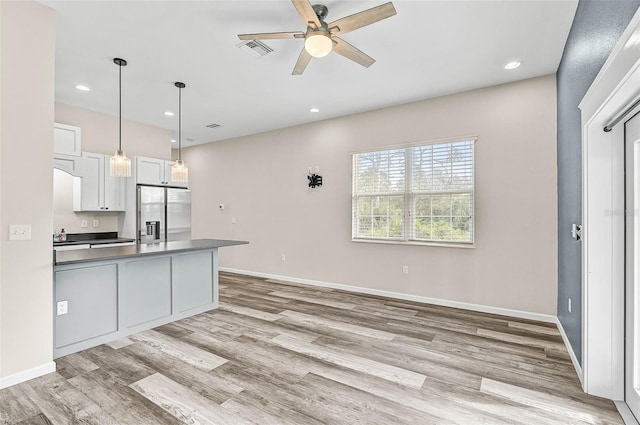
(164, 214)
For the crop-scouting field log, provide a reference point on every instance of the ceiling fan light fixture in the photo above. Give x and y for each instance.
(318, 44)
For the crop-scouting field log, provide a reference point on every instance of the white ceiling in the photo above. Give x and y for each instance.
(429, 49)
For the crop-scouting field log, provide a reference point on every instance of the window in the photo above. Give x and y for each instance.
(420, 194)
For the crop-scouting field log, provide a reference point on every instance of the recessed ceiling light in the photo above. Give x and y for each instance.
(314, 110)
(169, 113)
(512, 65)
(82, 88)
(173, 140)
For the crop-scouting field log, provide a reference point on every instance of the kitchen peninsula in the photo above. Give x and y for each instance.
(101, 295)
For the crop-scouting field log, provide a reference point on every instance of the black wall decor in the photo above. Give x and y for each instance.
(314, 180)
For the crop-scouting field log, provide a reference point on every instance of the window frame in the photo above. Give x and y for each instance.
(409, 198)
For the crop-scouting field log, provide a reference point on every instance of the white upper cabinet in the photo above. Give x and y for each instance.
(98, 190)
(155, 171)
(150, 171)
(67, 140)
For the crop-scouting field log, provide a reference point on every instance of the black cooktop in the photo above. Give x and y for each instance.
(92, 238)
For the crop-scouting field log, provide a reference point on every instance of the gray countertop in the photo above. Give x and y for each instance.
(88, 255)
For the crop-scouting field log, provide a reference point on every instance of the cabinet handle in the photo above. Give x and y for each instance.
(106, 208)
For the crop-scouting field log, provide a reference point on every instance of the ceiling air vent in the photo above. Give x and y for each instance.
(213, 125)
(255, 48)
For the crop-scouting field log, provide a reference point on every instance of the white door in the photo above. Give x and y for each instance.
(632, 276)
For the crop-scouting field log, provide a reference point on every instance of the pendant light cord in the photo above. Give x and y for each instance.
(180, 123)
(180, 86)
(120, 107)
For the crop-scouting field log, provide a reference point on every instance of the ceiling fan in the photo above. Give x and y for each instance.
(322, 38)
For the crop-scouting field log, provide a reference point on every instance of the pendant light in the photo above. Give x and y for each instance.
(120, 164)
(179, 171)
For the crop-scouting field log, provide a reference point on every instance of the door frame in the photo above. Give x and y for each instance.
(616, 86)
(632, 272)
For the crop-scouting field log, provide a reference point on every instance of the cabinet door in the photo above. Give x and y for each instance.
(67, 139)
(89, 196)
(167, 173)
(114, 190)
(150, 171)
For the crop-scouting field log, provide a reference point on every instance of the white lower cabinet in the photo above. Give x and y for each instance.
(98, 190)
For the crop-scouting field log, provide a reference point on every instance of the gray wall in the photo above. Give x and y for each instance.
(596, 28)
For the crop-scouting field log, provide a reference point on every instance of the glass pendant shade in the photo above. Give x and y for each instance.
(120, 165)
(179, 172)
(318, 44)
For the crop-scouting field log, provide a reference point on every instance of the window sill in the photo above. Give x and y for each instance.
(433, 244)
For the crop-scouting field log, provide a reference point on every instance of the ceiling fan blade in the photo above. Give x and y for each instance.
(345, 49)
(306, 12)
(270, 35)
(301, 64)
(361, 19)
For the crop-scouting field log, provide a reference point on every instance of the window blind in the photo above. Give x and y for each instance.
(417, 194)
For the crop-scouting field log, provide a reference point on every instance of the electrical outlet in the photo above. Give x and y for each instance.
(96, 223)
(405, 269)
(233, 220)
(569, 305)
(317, 169)
(84, 223)
(284, 257)
(19, 232)
(62, 307)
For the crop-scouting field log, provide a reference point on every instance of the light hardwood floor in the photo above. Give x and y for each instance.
(280, 353)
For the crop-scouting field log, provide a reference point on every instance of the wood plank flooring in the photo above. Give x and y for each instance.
(277, 353)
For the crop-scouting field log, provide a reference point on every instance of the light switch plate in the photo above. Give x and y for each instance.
(19, 232)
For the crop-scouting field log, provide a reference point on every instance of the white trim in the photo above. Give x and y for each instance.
(28, 374)
(547, 318)
(416, 143)
(603, 248)
(572, 354)
(469, 245)
(625, 412)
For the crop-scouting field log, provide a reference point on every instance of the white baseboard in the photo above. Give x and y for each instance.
(28, 374)
(572, 354)
(625, 412)
(407, 297)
